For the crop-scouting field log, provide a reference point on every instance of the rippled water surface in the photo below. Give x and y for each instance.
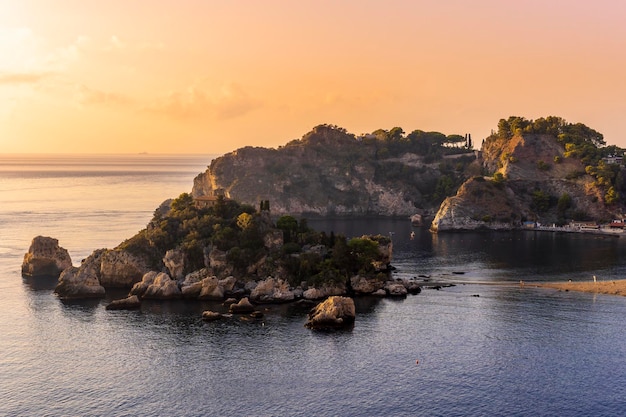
(485, 346)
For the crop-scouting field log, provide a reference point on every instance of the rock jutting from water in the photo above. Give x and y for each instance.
(333, 313)
(157, 285)
(84, 281)
(129, 303)
(74, 283)
(45, 258)
(243, 306)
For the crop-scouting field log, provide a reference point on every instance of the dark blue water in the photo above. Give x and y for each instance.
(485, 346)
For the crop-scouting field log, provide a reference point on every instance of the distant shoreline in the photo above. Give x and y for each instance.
(613, 287)
(600, 231)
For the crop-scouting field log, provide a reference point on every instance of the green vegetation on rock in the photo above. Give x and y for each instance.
(251, 246)
(547, 170)
(529, 165)
(332, 172)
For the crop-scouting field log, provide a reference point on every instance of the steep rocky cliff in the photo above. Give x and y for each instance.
(328, 172)
(531, 178)
(547, 171)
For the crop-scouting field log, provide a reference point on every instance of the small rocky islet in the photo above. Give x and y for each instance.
(279, 263)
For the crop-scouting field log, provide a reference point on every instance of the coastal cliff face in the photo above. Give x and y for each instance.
(547, 171)
(327, 172)
(479, 204)
(532, 178)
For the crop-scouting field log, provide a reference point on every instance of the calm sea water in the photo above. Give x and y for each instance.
(509, 351)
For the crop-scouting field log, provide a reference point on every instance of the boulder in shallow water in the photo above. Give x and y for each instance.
(396, 289)
(211, 289)
(229, 301)
(192, 285)
(156, 285)
(211, 315)
(333, 313)
(78, 283)
(412, 286)
(45, 257)
(242, 307)
(140, 288)
(129, 303)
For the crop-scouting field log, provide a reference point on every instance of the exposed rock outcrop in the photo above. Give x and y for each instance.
(157, 285)
(396, 289)
(272, 290)
(174, 261)
(327, 172)
(211, 289)
(192, 285)
(242, 307)
(45, 257)
(131, 302)
(273, 240)
(201, 285)
(79, 283)
(120, 268)
(209, 315)
(324, 291)
(84, 281)
(361, 285)
(217, 261)
(333, 313)
(525, 167)
(479, 204)
(229, 285)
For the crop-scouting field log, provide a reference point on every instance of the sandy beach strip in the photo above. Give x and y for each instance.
(615, 287)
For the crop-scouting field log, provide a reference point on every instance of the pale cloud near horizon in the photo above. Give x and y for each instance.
(90, 96)
(231, 101)
(20, 78)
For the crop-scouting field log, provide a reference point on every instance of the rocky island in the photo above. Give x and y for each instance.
(236, 237)
(228, 252)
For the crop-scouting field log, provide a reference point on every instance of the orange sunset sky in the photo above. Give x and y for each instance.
(209, 76)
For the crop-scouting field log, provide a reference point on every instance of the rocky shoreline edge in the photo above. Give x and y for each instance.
(333, 305)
